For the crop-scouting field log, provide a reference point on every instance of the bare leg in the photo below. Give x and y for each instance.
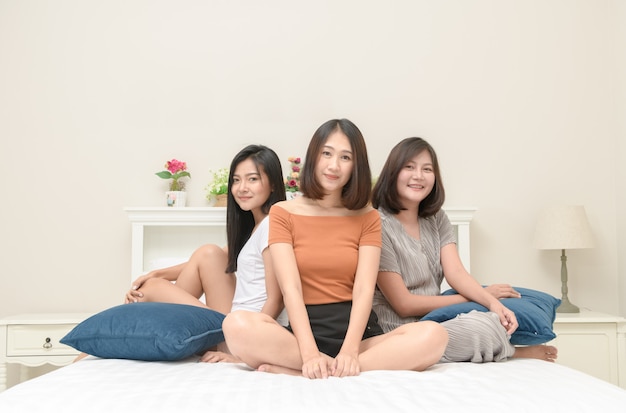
(413, 346)
(204, 273)
(163, 291)
(541, 352)
(260, 342)
(257, 339)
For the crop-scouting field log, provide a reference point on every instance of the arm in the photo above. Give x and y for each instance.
(169, 273)
(274, 303)
(346, 362)
(459, 279)
(407, 304)
(288, 276)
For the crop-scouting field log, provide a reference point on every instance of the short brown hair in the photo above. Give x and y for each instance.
(385, 193)
(356, 192)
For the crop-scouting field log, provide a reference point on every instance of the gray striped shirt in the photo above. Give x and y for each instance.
(417, 261)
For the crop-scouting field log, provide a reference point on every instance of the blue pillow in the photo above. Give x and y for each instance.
(535, 312)
(148, 331)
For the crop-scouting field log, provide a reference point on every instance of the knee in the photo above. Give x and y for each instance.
(149, 287)
(236, 324)
(208, 252)
(438, 334)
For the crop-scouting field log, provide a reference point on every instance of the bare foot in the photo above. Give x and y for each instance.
(219, 357)
(540, 352)
(80, 357)
(270, 368)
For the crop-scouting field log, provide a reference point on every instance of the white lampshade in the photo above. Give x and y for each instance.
(563, 228)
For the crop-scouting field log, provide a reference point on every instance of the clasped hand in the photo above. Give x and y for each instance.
(507, 317)
(322, 366)
(133, 295)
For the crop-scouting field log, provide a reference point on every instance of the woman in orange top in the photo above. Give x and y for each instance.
(325, 248)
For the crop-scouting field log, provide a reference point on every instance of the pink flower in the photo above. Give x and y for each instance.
(175, 166)
(292, 182)
(175, 170)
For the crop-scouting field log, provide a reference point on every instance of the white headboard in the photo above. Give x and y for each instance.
(172, 233)
(460, 218)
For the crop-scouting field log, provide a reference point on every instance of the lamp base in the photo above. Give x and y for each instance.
(567, 307)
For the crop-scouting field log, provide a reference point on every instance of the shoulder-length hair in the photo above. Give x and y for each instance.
(356, 192)
(240, 223)
(385, 193)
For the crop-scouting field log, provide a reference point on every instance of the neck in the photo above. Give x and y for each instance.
(329, 202)
(258, 216)
(408, 215)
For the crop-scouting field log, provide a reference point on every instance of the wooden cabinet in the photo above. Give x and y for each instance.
(594, 343)
(33, 340)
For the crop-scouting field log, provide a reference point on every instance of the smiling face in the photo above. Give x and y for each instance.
(416, 179)
(335, 163)
(250, 186)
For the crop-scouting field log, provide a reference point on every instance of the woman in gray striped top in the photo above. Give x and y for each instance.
(419, 249)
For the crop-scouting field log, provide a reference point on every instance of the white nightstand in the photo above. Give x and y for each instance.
(594, 343)
(33, 340)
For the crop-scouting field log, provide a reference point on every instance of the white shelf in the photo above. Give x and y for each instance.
(172, 233)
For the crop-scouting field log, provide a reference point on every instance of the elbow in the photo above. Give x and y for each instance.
(402, 310)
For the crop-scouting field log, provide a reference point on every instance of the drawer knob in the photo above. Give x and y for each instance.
(47, 344)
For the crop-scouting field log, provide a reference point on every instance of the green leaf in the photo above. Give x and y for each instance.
(164, 174)
(178, 175)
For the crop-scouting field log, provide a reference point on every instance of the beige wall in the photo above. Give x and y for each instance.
(618, 10)
(523, 101)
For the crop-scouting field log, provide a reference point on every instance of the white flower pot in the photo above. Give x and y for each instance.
(176, 199)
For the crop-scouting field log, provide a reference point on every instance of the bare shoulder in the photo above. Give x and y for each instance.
(368, 209)
(293, 206)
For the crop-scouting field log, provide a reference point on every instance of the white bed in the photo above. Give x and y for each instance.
(114, 385)
(106, 385)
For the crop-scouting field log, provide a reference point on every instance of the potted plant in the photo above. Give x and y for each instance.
(217, 189)
(175, 170)
(292, 181)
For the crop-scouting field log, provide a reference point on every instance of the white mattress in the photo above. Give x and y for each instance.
(98, 385)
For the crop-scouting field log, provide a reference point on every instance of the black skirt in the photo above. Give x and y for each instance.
(329, 323)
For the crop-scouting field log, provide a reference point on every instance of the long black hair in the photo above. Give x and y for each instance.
(240, 223)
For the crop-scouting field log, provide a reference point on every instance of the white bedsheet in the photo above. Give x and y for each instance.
(98, 385)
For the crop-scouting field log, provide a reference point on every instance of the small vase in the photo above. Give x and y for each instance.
(176, 199)
(221, 200)
(292, 195)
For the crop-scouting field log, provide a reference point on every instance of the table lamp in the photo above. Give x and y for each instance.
(563, 228)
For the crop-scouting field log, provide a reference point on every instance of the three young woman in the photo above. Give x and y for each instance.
(325, 246)
(326, 259)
